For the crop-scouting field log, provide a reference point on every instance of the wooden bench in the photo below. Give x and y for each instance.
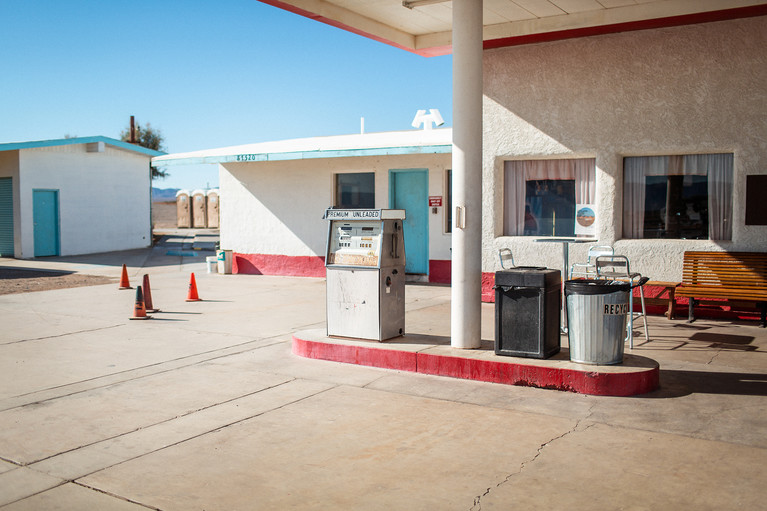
(667, 288)
(740, 277)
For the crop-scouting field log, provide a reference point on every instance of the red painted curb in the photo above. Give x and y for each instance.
(359, 355)
(592, 382)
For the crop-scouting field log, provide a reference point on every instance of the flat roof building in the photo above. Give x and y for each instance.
(74, 196)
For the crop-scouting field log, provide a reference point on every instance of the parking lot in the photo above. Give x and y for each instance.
(206, 407)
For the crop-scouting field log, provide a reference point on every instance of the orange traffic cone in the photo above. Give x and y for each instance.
(148, 295)
(124, 284)
(139, 311)
(192, 296)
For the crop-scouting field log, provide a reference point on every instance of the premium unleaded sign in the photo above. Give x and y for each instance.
(364, 214)
(353, 214)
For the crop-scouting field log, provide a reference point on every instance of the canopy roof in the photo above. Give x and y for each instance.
(425, 26)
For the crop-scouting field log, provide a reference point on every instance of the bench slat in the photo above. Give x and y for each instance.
(696, 292)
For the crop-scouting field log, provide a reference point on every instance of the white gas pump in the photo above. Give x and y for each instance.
(365, 263)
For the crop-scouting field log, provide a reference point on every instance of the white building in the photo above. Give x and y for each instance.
(74, 196)
(277, 192)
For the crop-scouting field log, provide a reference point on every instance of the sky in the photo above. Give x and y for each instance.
(207, 74)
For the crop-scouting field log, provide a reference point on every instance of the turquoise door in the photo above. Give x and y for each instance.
(6, 217)
(45, 214)
(409, 190)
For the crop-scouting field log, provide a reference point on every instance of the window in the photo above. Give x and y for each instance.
(540, 196)
(356, 190)
(449, 202)
(678, 197)
(550, 207)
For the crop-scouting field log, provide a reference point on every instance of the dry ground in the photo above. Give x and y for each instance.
(164, 215)
(14, 280)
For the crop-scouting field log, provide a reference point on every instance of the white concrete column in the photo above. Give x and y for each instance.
(466, 292)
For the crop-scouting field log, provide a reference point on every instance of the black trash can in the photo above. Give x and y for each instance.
(527, 310)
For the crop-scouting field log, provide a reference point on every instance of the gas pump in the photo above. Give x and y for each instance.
(365, 267)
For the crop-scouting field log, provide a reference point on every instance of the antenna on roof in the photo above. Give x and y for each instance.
(433, 117)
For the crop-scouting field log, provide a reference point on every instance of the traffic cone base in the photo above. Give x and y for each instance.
(139, 310)
(124, 283)
(148, 296)
(192, 296)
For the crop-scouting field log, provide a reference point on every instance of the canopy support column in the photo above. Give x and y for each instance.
(466, 292)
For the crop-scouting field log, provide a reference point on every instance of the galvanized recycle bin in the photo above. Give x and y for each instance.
(597, 311)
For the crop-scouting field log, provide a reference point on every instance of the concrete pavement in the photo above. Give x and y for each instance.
(205, 407)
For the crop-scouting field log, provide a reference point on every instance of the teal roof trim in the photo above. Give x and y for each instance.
(14, 146)
(307, 155)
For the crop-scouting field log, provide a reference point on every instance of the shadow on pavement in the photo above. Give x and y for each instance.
(167, 250)
(677, 383)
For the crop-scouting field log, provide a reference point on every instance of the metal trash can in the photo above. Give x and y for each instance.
(597, 311)
(527, 310)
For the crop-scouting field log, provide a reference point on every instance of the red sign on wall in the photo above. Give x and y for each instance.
(435, 200)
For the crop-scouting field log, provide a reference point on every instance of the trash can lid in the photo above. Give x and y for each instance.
(595, 287)
(528, 276)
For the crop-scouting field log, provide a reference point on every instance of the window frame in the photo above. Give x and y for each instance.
(719, 170)
(337, 195)
(448, 221)
(517, 172)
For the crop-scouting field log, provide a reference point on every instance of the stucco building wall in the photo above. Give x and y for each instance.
(681, 90)
(104, 198)
(273, 210)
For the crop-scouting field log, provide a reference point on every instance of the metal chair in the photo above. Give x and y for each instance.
(616, 267)
(507, 258)
(589, 269)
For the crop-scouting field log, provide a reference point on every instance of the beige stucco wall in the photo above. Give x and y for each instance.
(104, 198)
(277, 207)
(692, 89)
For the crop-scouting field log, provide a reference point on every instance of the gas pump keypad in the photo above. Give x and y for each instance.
(355, 243)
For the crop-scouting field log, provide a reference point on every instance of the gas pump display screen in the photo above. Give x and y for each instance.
(354, 243)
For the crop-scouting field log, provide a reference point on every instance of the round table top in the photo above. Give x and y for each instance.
(566, 240)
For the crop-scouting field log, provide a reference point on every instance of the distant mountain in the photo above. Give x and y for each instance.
(164, 194)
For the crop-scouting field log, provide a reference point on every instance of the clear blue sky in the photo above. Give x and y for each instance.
(206, 73)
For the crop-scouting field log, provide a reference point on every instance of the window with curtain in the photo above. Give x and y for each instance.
(355, 190)
(540, 195)
(678, 197)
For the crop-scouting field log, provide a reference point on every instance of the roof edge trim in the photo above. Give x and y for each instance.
(13, 146)
(629, 26)
(348, 28)
(306, 155)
